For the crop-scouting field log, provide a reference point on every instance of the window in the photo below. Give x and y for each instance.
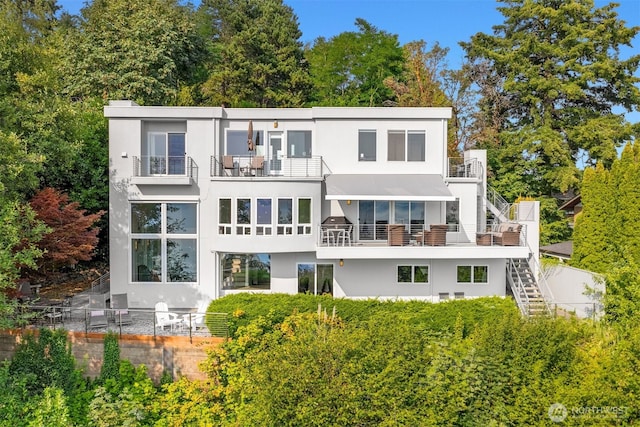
(395, 149)
(453, 215)
(285, 216)
(224, 216)
(263, 217)
(315, 279)
(304, 216)
(473, 274)
(413, 274)
(164, 154)
(411, 149)
(237, 143)
(412, 213)
(299, 143)
(246, 271)
(243, 216)
(415, 146)
(164, 242)
(367, 145)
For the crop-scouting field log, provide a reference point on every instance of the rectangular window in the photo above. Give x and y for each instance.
(415, 146)
(299, 143)
(413, 274)
(164, 242)
(263, 217)
(473, 274)
(246, 271)
(243, 217)
(453, 215)
(395, 146)
(285, 217)
(367, 145)
(304, 216)
(164, 154)
(224, 216)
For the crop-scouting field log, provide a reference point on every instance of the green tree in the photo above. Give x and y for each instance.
(255, 55)
(139, 50)
(350, 69)
(558, 76)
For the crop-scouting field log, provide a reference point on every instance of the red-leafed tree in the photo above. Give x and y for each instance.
(73, 236)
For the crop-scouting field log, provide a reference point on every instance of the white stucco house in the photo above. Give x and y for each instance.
(354, 202)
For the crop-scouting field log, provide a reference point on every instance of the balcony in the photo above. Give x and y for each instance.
(163, 170)
(464, 168)
(252, 166)
(436, 241)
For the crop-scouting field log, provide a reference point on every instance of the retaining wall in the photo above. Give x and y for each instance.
(177, 355)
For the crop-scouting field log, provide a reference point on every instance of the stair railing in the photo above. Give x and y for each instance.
(499, 202)
(517, 287)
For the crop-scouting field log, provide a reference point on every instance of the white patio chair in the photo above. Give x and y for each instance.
(166, 318)
(196, 320)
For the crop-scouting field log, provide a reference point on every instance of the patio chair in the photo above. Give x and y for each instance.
(228, 165)
(257, 165)
(25, 292)
(196, 320)
(120, 304)
(166, 318)
(97, 314)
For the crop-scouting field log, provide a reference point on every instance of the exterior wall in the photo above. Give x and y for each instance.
(360, 278)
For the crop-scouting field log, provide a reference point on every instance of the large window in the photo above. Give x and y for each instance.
(299, 143)
(243, 216)
(473, 274)
(406, 146)
(413, 274)
(367, 145)
(237, 144)
(316, 279)
(164, 242)
(412, 213)
(246, 271)
(164, 154)
(224, 216)
(263, 217)
(304, 216)
(285, 216)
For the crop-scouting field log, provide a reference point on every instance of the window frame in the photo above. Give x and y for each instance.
(472, 274)
(303, 228)
(291, 144)
(412, 272)
(165, 237)
(362, 149)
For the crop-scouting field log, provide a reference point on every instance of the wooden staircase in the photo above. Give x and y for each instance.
(525, 288)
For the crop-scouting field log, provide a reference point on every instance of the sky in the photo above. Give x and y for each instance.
(445, 21)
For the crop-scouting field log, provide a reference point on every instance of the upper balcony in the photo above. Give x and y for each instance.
(252, 166)
(459, 167)
(163, 170)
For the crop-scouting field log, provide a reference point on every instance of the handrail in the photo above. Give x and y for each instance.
(101, 285)
(518, 289)
(499, 202)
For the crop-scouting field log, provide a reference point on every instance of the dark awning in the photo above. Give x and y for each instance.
(422, 187)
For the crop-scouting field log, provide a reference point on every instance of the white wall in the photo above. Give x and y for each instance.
(569, 285)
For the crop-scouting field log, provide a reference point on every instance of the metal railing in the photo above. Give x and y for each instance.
(464, 168)
(257, 166)
(163, 166)
(101, 285)
(503, 208)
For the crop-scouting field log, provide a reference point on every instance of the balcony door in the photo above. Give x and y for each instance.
(373, 217)
(316, 279)
(164, 154)
(274, 153)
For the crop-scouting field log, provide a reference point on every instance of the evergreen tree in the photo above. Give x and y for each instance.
(556, 75)
(255, 56)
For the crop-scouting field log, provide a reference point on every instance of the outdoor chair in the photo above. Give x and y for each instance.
(120, 304)
(25, 292)
(436, 235)
(97, 314)
(257, 165)
(166, 318)
(228, 165)
(196, 320)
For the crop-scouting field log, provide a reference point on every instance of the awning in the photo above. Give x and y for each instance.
(415, 187)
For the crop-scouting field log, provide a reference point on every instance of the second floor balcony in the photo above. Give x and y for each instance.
(163, 170)
(261, 166)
